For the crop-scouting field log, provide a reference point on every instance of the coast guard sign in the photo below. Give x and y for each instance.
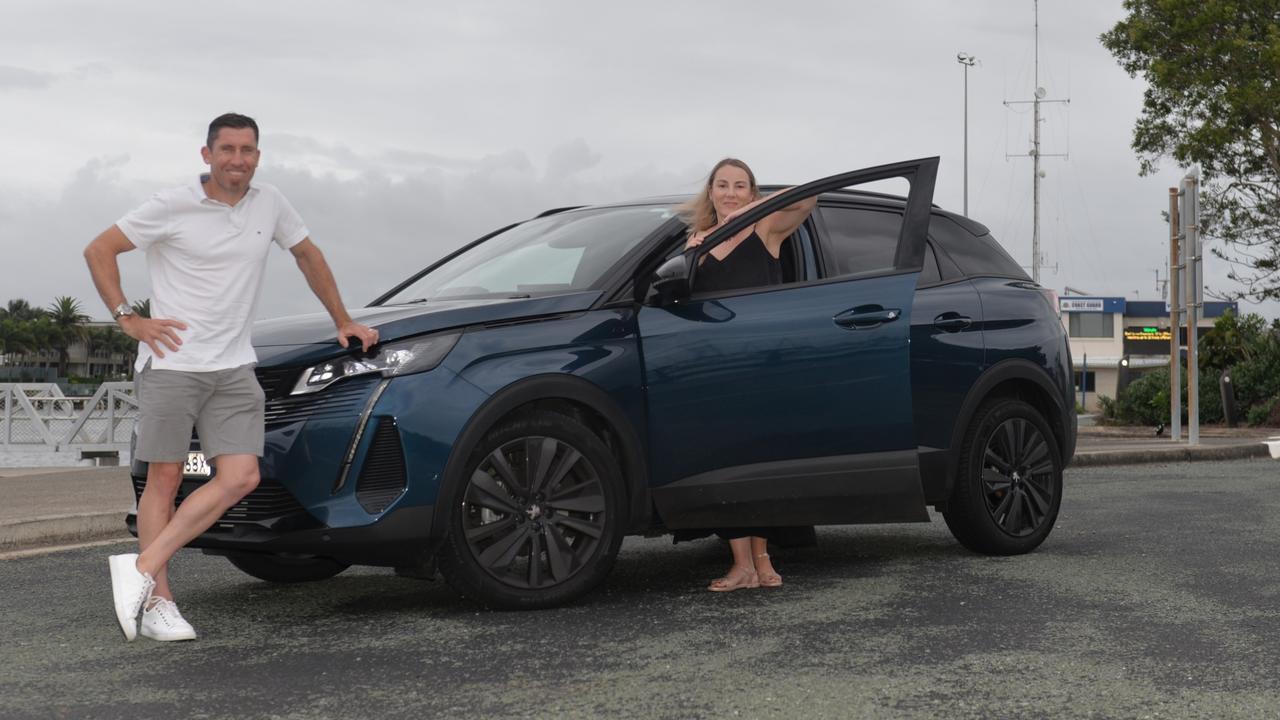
(1091, 304)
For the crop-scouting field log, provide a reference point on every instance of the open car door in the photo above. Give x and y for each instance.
(788, 404)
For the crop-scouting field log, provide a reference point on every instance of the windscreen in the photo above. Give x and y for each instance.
(564, 252)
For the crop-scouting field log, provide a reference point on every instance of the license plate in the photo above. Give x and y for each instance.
(196, 465)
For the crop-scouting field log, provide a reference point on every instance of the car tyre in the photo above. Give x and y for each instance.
(279, 569)
(1008, 485)
(537, 519)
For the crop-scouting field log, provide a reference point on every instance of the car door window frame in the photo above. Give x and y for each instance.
(804, 252)
(921, 175)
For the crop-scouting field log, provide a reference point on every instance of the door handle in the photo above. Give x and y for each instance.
(952, 322)
(863, 318)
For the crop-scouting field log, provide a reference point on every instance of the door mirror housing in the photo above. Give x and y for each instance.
(670, 282)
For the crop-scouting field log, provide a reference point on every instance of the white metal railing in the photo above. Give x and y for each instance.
(38, 416)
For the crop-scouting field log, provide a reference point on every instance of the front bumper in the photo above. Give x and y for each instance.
(345, 473)
(399, 539)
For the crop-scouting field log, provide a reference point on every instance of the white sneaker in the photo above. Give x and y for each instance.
(130, 589)
(162, 621)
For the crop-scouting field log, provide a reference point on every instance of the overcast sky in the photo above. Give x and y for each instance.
(401, 130)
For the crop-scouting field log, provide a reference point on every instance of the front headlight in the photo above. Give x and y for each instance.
(398, 358)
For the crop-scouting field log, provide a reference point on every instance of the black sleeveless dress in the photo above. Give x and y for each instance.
(747, 265)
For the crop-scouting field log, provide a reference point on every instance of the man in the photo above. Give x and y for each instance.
(206, 246)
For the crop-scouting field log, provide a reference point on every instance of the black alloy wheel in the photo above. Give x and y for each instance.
(1008, 487)
(538, 520)
(533, 512)
(1018, 477)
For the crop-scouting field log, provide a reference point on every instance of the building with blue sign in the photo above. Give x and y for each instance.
(1113, 339)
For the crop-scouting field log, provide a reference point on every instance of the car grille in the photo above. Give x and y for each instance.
(277, 382)
(269, 500)
(382, 478)
(345, 398)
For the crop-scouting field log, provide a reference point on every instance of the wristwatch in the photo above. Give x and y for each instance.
(121, 310)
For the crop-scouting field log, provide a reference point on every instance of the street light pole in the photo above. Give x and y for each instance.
(967, 61)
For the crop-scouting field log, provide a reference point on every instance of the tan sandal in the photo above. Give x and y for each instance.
(768, 580)
(736, 579)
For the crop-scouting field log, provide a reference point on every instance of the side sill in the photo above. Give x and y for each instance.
(865, 488)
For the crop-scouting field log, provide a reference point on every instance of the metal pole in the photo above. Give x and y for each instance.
(1084, 379)
(967, 61)
(1175, 323)
(1035, 157)
(1192, 190)
(8, 414)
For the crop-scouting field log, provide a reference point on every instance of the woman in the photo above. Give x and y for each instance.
(751, 258)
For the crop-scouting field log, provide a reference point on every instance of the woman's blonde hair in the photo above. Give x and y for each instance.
(699, 212)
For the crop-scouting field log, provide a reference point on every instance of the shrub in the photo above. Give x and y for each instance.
(1146, 400)
(1108, 407)
(1265, 413)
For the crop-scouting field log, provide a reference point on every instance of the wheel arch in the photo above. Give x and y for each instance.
(568, 395)
(1014, 378)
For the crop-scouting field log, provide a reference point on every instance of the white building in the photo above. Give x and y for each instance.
(1108, 331)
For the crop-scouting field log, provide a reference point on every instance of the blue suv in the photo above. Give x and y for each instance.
(561, 383)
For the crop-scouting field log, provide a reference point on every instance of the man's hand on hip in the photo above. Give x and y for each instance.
(367, 336)
(155, 333)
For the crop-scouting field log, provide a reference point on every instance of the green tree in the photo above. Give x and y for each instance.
(117, 343)
(66, 314)
(142, 308)
(1213, 99)
(1232, 340)
(15, 336)
(45, 336)
(20, 310)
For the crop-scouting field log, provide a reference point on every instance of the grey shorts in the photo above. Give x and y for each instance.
(224, 406)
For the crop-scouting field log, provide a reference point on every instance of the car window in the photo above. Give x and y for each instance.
(859, 240)
(557, 253)
(792, 261)
(946, 266)
(929, 273)
(975, 254)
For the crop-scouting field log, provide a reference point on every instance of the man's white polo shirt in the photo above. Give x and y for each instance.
(206, 260)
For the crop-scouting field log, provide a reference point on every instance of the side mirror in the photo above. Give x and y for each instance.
(670, 282)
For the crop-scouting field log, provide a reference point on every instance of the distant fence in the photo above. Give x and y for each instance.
(38, 416)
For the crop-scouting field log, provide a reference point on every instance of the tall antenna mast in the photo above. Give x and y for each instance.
(1035, 159)
(1036, 173)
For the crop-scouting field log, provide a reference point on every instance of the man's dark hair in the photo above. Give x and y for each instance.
(230, 120)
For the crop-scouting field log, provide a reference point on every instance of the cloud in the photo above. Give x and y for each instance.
(571, 158)
(382, 218)
(23, 79)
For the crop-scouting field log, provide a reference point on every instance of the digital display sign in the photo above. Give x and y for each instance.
(1149, 340)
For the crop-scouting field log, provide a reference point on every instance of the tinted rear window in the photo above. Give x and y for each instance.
(975, 254)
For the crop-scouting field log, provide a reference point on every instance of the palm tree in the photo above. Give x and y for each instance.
(15, 336)
(67, 315)
(126, 346)
(21, 310)
(41, 335)
(142, 308)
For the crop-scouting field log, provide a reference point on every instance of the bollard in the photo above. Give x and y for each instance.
(1228, 398)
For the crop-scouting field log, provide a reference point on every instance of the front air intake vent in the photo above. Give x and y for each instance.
(382, 477)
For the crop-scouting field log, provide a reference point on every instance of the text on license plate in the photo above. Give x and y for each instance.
(196, 465)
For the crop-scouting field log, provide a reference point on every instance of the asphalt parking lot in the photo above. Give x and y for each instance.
(1154, 597)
